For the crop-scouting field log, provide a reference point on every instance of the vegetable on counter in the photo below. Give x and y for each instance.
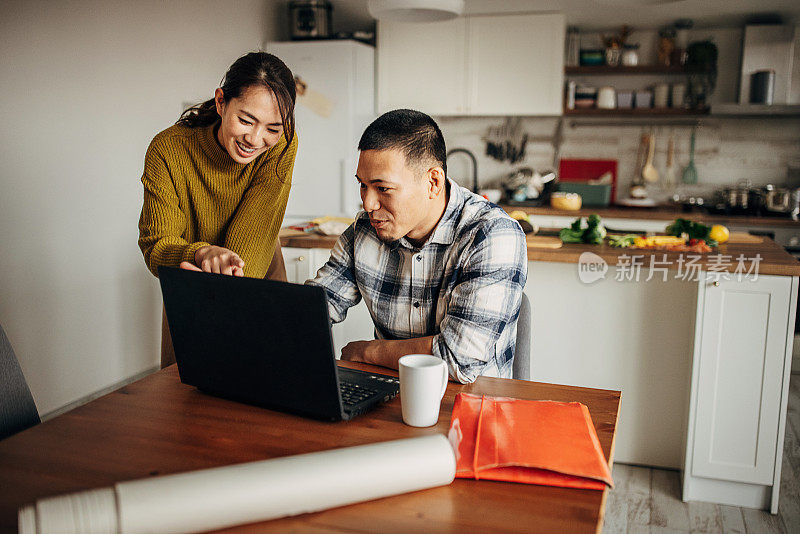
(692, 230)
(593, 233)
(621, 241)
(522, 218)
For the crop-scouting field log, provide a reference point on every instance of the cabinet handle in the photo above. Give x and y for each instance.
(715, 283)
(303, 258)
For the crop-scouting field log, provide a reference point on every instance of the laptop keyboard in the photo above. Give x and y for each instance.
(355, 393)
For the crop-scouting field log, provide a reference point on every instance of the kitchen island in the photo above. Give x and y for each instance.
(699, 345)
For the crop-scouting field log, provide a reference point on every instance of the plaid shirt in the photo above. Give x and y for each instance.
(463, 286)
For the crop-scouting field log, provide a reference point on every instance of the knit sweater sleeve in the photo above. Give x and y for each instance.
(254, 229)
(162, 223)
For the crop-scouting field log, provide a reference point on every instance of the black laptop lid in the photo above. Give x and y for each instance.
(259, 341)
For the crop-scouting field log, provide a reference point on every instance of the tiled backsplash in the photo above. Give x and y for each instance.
(727, 150)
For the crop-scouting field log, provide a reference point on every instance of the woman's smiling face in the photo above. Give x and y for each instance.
(251, 123)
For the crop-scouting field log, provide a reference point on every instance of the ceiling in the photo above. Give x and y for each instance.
(605, 14)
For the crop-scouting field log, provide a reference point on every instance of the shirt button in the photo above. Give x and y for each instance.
(416, 304)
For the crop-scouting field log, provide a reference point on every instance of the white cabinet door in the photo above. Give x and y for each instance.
(299, 264)
(740, 376)
(421, 66)
(481, 65)
(516, 64)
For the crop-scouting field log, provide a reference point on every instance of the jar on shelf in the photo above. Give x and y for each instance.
(666, 46)
(630, 55)
(613, 55)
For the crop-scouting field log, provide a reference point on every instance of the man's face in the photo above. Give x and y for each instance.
(396, 197)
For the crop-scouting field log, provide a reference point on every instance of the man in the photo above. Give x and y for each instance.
(440, 269)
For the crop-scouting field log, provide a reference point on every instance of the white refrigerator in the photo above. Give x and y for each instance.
(339, 102)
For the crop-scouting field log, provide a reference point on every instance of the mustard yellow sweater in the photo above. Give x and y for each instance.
(195, 195)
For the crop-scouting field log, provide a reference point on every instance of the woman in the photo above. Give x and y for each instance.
(217, 182)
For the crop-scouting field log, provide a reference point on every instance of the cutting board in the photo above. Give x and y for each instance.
(542, 241)
(743, 237)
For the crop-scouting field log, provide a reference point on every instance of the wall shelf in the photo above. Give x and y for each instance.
(640, 112)
(638, 69)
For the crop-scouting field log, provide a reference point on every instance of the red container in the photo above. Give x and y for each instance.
(583, 170)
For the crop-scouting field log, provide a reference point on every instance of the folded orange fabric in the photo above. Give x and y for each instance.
(535, 442)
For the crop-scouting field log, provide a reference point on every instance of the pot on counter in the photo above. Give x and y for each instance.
(743, 198)
(737, 197)
(778, 199)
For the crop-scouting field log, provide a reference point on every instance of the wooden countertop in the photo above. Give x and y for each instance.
(666, 213)
(774, 259)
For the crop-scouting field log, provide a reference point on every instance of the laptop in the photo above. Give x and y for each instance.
(265, 343)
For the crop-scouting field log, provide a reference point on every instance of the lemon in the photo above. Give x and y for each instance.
(719, 233)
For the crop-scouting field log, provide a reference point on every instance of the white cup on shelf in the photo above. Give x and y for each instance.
(423, 381)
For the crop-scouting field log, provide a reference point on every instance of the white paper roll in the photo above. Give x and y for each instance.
(245, 493)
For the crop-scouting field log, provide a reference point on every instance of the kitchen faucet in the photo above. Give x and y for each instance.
(474, 165)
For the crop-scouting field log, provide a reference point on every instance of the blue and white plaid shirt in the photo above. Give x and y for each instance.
(463, 286)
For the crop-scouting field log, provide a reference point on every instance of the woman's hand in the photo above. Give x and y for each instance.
(213, 259)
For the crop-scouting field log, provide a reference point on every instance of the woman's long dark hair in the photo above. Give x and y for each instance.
(253, 69)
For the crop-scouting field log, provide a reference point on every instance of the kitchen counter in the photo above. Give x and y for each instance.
(773, 258)
(663, 212)
(702, 355)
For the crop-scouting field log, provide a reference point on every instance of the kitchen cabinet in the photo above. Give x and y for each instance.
(422, 66)
(475, 65)
(740, 378)
(303, 264)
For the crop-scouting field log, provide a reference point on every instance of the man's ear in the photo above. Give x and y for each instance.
(219, 100)
(436, 182)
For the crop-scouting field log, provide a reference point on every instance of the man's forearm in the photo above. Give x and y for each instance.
(386, 352)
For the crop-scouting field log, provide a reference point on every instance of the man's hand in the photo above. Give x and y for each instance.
(220, 260)
(356, 351)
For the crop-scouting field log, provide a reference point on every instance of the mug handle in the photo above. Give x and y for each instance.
(444, 382)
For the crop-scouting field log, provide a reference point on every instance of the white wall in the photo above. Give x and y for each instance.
(85, 85)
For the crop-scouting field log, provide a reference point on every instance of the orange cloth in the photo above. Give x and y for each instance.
(534, 442)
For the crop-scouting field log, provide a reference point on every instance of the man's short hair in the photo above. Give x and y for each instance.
(413, 133)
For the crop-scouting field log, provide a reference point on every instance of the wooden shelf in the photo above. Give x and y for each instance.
(647, 112)
(638, 69)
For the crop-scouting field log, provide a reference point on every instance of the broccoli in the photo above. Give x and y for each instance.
(592, 234)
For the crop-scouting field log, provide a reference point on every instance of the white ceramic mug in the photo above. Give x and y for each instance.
(423, 381)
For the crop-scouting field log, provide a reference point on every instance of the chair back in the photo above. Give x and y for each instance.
(17, 409)
(522, 353)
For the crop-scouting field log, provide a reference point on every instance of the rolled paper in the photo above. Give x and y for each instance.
(258, 491)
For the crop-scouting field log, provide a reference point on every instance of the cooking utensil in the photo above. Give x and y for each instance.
(669, 171)
(690, 172)
(649, 172)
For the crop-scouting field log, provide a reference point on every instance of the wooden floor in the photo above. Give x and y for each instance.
(647, 500)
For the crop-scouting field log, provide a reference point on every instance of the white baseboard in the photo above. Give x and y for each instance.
(98, 394)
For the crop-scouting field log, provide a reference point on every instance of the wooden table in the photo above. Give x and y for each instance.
(158, 426)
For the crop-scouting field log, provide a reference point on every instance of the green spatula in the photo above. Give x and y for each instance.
(690, 172)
